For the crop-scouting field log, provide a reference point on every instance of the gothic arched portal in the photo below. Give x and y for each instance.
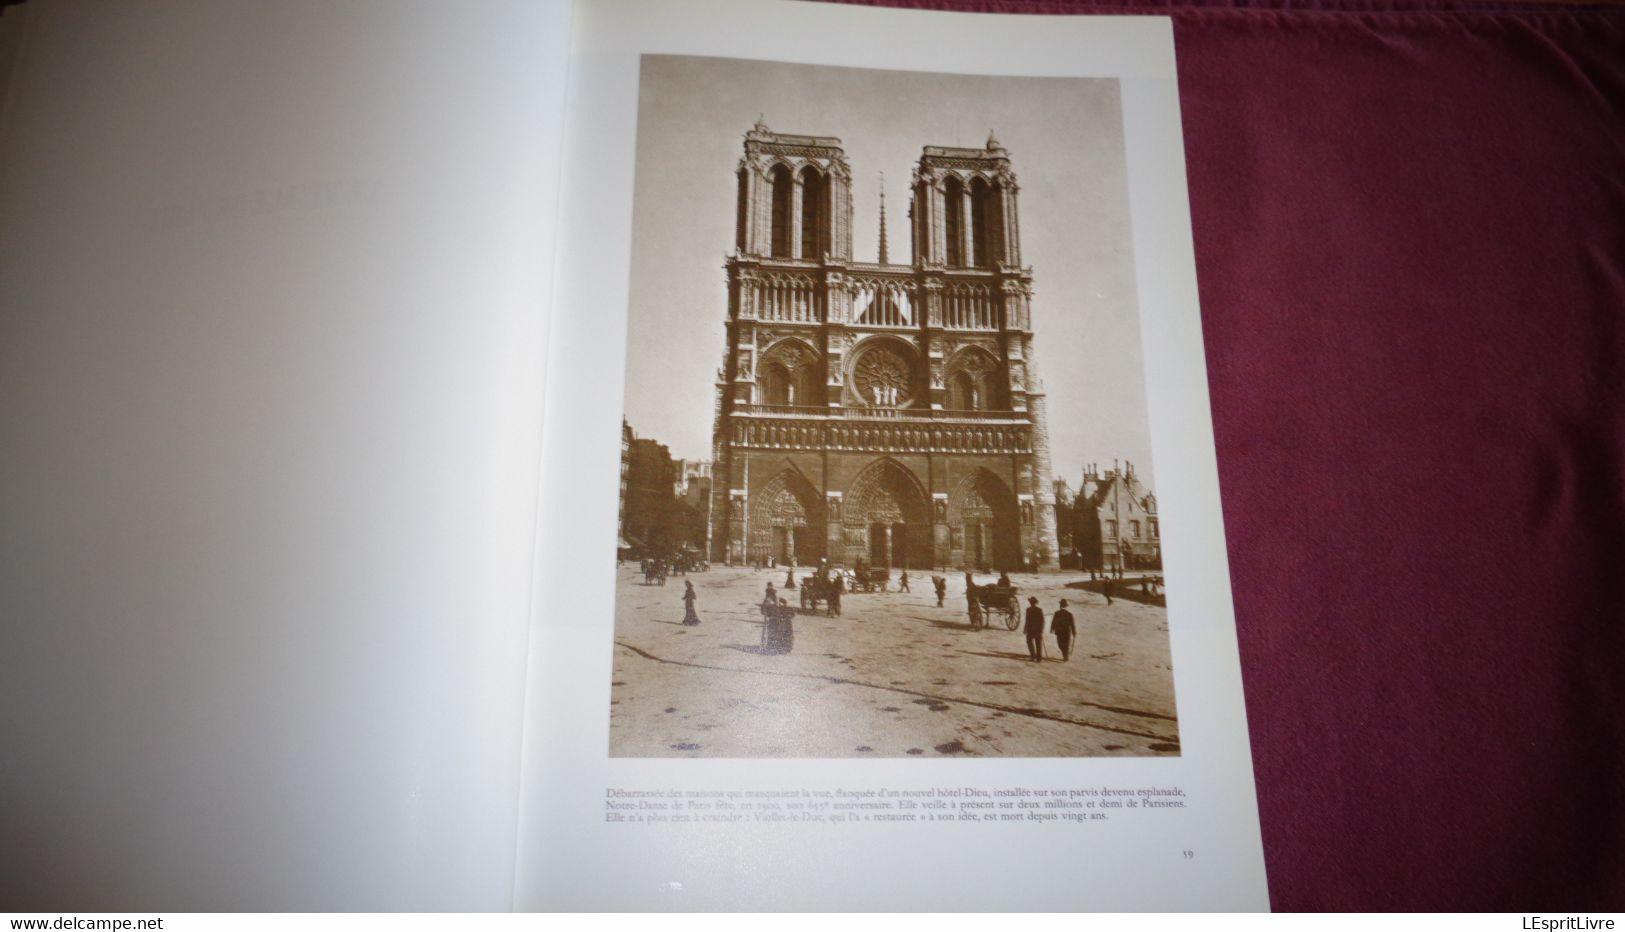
(887, 518)
(984, 524)
(786, 520)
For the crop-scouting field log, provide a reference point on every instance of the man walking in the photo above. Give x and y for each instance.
(1065, 629)
(1034, 629)
(1106, 590)
(941, 587)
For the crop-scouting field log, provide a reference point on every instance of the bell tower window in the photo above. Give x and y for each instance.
(814, 238)
(782, 183)
(954, 220)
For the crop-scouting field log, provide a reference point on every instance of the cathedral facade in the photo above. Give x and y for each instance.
(875, 411)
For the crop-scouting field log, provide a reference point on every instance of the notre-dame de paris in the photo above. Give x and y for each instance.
(877, 411)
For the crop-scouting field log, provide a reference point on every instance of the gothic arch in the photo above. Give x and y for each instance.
(887, 517)
(981, 223)
(786, 519)
(973, 381)
(953, 196)
(814, 213)
(742, 220)
(984, 523)
(780, 179)
(998, 203)
(791, 373)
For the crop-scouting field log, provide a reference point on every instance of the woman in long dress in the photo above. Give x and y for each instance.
(689, 618)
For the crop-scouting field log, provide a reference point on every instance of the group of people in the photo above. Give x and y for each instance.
(778, 628)
(654, 572)
(1062, 625)
(775, 611)
(656, 569)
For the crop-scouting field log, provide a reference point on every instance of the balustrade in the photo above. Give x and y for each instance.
(919, 435)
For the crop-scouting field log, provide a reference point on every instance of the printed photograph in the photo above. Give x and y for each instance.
(886, 476)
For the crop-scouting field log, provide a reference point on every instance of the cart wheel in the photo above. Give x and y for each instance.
(1010, 619)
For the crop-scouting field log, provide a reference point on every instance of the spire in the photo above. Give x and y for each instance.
(882, 218)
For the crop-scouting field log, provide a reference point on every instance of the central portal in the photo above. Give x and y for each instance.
(888, 519)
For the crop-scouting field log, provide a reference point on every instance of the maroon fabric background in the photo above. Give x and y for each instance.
(1410, 240)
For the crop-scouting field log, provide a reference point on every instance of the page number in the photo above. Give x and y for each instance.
(1189, 855)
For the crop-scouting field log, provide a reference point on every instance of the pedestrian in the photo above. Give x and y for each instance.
(902, 584)
(974, 607)
(941, 586)
(1034, 629)
(835, 597)
(1106, 589)
(1065, 629)
(790, 578)
(772, 597)
(689, 618)
(778, 635)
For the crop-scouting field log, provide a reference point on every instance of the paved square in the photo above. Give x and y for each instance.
(894, 676)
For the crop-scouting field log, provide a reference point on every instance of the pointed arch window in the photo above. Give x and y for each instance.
(782, 183)
(742, 220)
(981, 221)
(953, 220)
(974, 383)
(814, 204)
(777, 386)
(965, 394)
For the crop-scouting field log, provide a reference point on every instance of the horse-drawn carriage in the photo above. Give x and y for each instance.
(866, 578)
(816, 589)
(997, 600)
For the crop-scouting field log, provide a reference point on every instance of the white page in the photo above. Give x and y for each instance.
(272, 329)
(1206, 855)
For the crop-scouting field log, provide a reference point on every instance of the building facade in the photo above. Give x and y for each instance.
(693, 492)
(621, 543)
(648, 520)
(1065, 503)
(1116, 526)
(876, 411)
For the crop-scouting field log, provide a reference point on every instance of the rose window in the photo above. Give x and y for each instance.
(884, 378)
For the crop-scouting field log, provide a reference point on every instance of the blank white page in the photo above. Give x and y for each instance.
(272, 333)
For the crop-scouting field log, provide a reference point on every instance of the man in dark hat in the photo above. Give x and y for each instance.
(1065, 629)
(1034, 629)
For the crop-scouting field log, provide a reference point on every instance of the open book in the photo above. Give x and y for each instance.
(623, 455)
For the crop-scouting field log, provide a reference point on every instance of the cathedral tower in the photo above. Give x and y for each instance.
(872, 411)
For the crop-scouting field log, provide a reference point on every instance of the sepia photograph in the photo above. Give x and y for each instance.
(887, 486)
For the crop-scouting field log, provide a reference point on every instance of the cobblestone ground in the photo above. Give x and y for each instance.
(895, 676)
